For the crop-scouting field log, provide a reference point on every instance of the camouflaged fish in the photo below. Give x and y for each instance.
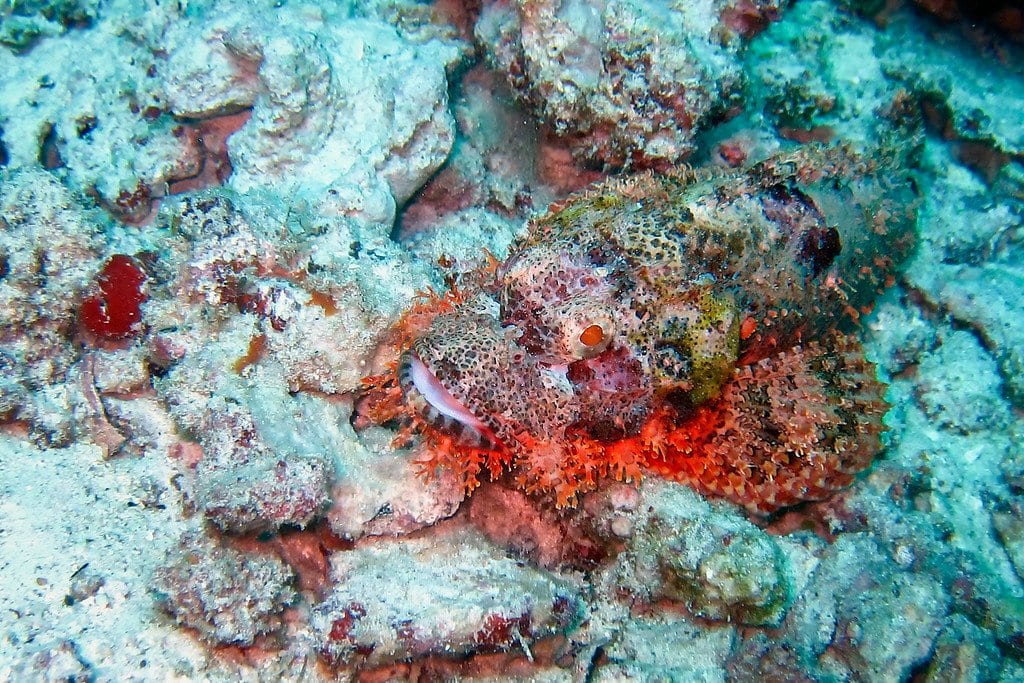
(694, 325)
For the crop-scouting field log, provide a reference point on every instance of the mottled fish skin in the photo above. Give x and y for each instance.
(649, 292)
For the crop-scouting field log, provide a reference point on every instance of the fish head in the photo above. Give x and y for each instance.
(542, 354)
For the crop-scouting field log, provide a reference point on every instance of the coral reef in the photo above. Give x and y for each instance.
(828, 630)
(157, 120)
(48, 256)
(722, 568)
(963, 651)
(67, 104)
(969, 267)
(503, 170)
(238, 479)
(661, 646)
(239, 298)
(355, 130)
(293, 289)
(971, 114)
(24, 22)
(977, 408)
(376, 491)
(413, 598)
(213, 216)
(627, 83)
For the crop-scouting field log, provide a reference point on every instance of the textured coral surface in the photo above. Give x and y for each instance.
(217, 218)
(626, 83)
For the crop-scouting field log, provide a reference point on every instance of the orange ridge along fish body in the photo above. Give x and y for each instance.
(694, 325)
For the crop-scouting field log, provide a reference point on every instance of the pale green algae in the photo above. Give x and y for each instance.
(743, 581)
(711, 559)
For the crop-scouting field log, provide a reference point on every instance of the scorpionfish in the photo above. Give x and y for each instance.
(696, 325)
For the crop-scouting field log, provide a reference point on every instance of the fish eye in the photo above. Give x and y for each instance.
(587, 333)
(592, 336)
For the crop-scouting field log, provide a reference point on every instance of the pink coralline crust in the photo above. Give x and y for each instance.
(208, 140)
(747, 18)
(681, 324)
(514, 521)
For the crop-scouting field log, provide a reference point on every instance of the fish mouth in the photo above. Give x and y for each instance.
(438, 407)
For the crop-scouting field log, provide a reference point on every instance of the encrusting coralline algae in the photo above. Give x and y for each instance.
(214, 217)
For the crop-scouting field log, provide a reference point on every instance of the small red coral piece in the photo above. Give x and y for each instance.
(503, 631)
(114, 311)
(134, 207)
(342, 627)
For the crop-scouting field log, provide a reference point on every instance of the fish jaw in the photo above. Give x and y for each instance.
(438, 407)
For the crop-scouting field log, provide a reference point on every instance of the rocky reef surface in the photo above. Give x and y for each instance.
(212, 213)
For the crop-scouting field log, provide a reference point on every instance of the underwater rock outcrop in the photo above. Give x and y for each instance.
(628, 83)
(414, 598)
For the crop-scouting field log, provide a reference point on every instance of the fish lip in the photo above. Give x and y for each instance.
(439, 407)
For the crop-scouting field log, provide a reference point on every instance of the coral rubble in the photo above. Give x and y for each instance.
(213, 590)
(48, 256)
(625, 83)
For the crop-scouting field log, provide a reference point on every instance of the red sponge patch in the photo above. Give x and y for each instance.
(113, 312)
